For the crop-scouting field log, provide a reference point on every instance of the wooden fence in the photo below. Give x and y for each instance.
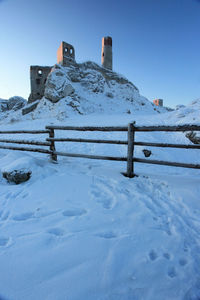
(131, 130)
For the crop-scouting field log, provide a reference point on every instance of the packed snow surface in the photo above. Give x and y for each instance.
(79, 229)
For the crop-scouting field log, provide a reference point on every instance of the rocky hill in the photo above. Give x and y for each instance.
(82, 89)
(88, 88)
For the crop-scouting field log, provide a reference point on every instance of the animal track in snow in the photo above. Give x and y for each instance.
(56, 231)
(74, 212)
(23, 216)
(153, 255)
(107, 235)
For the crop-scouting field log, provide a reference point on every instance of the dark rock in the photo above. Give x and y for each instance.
(29, 108)
(146, 152)
(109, 95)
(17, 176)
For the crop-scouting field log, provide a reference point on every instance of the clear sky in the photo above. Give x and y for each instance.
(156, 43)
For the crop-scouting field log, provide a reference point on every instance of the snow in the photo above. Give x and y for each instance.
(79, 229)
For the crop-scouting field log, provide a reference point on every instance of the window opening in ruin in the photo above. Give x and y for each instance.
(40, 72)
(38, 81)
(103, 53)
(66, 50)
(71, 51)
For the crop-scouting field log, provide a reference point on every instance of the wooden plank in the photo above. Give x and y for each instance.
(168, 128)
(26, 149)
(91, 156)
(88, 128)
(24, 131)
(167, 145)
(131, 135)
(25, 142)
(87, 141)
(166, 163)
(52, 145)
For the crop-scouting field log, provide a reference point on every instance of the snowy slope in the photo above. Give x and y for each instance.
(80, 230)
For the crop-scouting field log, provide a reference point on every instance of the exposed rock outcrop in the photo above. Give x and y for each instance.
(58, 85)
(13, 103)
(17, 176)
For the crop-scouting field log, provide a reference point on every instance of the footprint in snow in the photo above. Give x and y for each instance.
(56, 231)
(107, 235)
(74, 212)
(153, 255)
(182, 262)
(166, 255)
(102, 193)
(171, 272)
(25, 195)
(4, 241)
(23, 216)
(8, 196)
(4, 216)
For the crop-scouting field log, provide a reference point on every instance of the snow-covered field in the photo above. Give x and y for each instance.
(81, 230)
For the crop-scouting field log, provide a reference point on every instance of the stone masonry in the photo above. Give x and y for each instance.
(106, 52)
(158, 102)
(38, 76)
(65, 54)
(65, 57)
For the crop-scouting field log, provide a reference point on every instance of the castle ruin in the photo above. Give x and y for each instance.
(106, 52)
(65, 56)
(158, 102)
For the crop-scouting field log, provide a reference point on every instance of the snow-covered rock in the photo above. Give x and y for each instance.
(13, 103)
(58, 85)
(88, 88)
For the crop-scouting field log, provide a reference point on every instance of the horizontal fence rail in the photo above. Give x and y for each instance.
(89, 128)
(25, 142)
(166, 163)
(26, 149)
(167, 145)
(88, 141)
(168, 128)
(91, 156)
(131, 130)
(24, 131)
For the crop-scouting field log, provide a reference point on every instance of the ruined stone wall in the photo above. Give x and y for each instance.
(65, 54)
(106, 52)
(38, 77)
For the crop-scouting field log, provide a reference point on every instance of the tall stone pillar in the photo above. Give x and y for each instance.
(106, 53)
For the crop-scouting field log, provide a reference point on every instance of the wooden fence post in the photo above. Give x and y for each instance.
(131, 138)
(52, 145)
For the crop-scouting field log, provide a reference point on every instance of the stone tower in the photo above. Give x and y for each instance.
(38, 77)
(65, 54)
(106, 52)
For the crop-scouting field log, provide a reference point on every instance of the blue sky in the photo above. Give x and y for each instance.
(156, 43)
